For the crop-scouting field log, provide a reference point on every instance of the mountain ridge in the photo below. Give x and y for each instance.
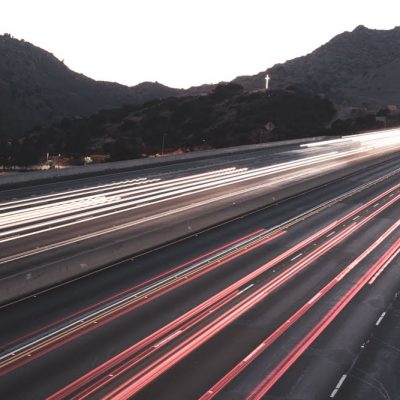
(356, 68)
(342, 69)
(36, 88)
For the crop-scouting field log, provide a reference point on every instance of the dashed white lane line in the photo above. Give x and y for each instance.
(247, 288)
(380, 318)
(339, 384)
(295, 258)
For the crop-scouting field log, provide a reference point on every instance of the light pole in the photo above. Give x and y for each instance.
(163, 142)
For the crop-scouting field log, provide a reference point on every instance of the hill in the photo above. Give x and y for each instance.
(36, 88)
(353, 68)
(226, 117)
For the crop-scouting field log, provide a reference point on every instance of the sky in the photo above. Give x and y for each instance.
(183, 43)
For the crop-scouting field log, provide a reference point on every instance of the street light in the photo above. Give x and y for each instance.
(163, 142)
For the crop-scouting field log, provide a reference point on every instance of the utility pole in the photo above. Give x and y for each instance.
(163, 142)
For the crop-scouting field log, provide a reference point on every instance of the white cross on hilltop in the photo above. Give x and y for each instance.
(267, 78)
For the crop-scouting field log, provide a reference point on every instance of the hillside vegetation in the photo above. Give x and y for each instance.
(226, 117)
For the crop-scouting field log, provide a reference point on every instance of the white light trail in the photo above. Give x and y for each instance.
(43, 213)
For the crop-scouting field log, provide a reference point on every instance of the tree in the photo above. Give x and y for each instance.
(227, 90)
(123, 150)
(383, 112)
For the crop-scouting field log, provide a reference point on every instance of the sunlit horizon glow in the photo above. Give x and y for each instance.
(183, 43)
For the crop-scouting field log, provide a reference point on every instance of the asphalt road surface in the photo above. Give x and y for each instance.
(276, 304)
(44, 224)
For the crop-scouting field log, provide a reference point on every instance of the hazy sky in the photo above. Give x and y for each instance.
(183, 43)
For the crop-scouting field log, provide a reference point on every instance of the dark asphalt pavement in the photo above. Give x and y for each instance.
(312, 377)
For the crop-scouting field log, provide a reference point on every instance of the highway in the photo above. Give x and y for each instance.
(73, 227)
(275, 304)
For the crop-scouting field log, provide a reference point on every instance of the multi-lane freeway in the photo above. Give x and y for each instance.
(278, 303)
(52, 232)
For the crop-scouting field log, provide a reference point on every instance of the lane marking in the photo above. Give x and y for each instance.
(143, 220)
(247, 288)
(292, 220)
(380, 318)
(301, 347)
(168, 338)
(163, 195)
(136, 382)
(339, 384)
(295, 258)
(258, 238)
(233, 373)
